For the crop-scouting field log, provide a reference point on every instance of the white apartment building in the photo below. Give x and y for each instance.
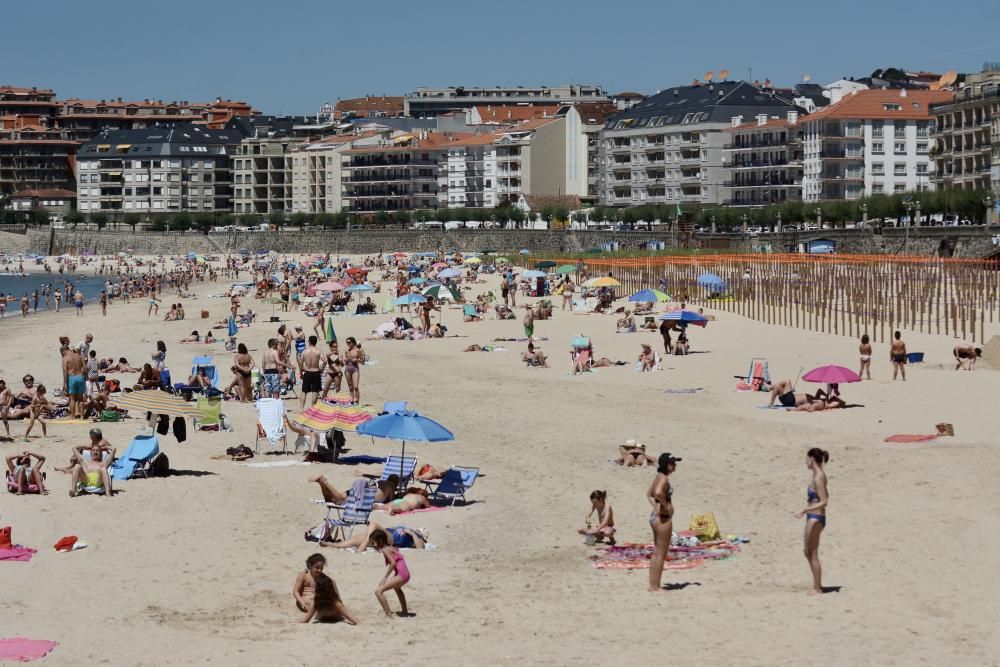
(317, 174)
(668, 149)
(871, 142)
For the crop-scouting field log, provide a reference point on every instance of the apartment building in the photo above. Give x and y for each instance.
(427, 102)
(870, 142)
(590, 119)
(668, 149)
(84, 119)
(369, 106)
(33, 155)
(964, 130)
(763, 160)
(317, 172)
(157, 170)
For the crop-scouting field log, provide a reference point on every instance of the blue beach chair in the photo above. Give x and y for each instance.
(453, 484)
(135, 460)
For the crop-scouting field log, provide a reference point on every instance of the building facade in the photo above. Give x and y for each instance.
(33, 153)
(964, 148)
(668, 149)
(427, 102)
(871, 142)
(157, 170)
(763, 160)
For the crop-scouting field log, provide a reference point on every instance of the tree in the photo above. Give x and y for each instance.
(131, 219)
(516, 216)
(324, 220)
(74, 218)
(181, 222)
(100, 219)
(383, 219)
(39, 216)
(204, 221)
(299, 220)
(276, 218)
(401, 218)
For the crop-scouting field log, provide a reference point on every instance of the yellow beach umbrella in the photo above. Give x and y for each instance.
(473, 260)
(603, 281)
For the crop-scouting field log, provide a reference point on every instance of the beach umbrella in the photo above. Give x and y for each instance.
(602, 281)
(547, 264)
(438, 265)
(416, 281)
(450, 273)
(649, 295)
(408, 299)
(327, 271)
(277, 279)
(361, 287)
(565, 269)
(316, 270)
(711, 280)
(524, 251)
(686, 316)
(406, 425)
(831, 375)
(340, 399)
(354, 270)
(473, 260)
(399, 254)
(531, 273)
(328, 332)
(442, 292)
(501, 260)
(324, 416)
(157, 402)
(329, 286)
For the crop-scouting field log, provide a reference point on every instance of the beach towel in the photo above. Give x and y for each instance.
(359, 459)
(909, 437)
(637, 556)
(24, 650)
(271, 418)
(683, 390)
(17, 553)
(423, 509)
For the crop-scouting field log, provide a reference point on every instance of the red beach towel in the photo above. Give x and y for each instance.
(24, 650)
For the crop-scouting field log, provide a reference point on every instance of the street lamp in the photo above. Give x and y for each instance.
(777, 226)
(864, 213)
(713, 223)
(744, 219)
(908, 205)
(819, 217)
(988, 201)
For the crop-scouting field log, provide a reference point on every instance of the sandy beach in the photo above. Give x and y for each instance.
(198, 567)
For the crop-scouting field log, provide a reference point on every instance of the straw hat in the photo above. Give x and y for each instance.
(633, 443)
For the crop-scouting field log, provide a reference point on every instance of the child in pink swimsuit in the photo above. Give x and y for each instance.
(396, 575)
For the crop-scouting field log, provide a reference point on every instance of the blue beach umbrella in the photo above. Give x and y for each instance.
(449, 273)
(649, 296)
(532, 273)
(408, 299)
(405, 425)
(711, 280)
(524, 251)
(686, 316)
(417, 281)
(360, 287)
(327, 271)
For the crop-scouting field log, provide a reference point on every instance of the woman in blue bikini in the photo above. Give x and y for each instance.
(815, 514)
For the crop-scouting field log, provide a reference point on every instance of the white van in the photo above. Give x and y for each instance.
(453, 224)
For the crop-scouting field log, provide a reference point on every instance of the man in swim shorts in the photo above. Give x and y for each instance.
(311, 365)
(92, 473)
(529, 323)
(897, 354)
(76, 385)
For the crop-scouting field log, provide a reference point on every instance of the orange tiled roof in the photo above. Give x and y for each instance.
(44, 193)
(385, 103)
(915, 105)
(512, 113)
(16, 90)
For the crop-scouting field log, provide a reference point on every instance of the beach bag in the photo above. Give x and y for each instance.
(704, 527)
(5, 538)
(320, 533)
(159, 466)
(110, 416)
(204, 314)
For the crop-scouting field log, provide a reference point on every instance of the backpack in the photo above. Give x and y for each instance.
(159, 466)
(110, 416)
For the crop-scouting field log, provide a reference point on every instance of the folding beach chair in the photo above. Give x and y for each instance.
(758, 375)
(402, 466)
(453, 484)
(208, 364)
(136, 459)
(211, 414)
(355, 512)
(271, 423)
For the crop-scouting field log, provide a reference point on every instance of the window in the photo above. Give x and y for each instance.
(877, 188)
(878, 148)
(900, 148)
(922, 168)
(899, 130)
(899, 169)
(922, 148)
(877, 130)
(922, 128)
(890, 106)
(878, 169)
(899, 187)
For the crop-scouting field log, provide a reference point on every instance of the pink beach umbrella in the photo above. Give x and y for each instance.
(329, 286)
(831, 375)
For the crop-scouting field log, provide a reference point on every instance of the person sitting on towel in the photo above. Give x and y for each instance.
(149, 378)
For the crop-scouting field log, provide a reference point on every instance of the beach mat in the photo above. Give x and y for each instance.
(637, 556)
(911, 437)
(17, 553)
(359, 459)
(24, 650)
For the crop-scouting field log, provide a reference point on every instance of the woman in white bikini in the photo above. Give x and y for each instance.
(865, 350)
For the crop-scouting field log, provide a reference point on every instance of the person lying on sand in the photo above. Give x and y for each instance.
(413, 499)
(633, 453)
(193, 337)
(400, 537)
(784, 393)
(122, 366)
(534, 357)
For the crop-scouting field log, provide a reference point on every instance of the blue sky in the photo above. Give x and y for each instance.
(291, 56)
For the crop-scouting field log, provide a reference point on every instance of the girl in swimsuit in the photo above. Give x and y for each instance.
(660, 495)
(815, 513)
(352, 369)
(865, 351)
(334, 369)
(397, 574)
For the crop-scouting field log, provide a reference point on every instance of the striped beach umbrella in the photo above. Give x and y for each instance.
(328, 332)
(324, 416)
(442, 292)
(340, 399)
(157, 402)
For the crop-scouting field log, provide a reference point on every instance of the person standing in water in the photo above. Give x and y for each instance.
(660, 496)
(815, 514)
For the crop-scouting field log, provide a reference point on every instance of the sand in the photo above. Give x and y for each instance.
(198, 567)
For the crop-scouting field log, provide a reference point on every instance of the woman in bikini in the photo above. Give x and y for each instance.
(353, 359)
(660, 496)
(397, 536)
(815, 514)
(242, 370)
(413, 499)
(334, 369)
(865, 352)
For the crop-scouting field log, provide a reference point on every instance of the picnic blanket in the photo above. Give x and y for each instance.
(910, 437)
(23, 650)
(637, 556)
(17, 552)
